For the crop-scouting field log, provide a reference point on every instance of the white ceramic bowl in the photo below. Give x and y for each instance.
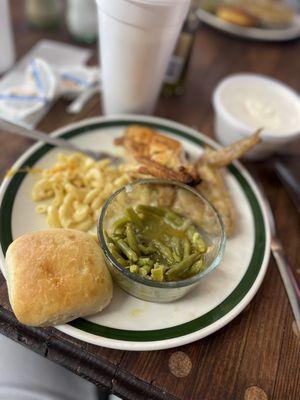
(229, 128)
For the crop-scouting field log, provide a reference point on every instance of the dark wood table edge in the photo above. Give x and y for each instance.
(110, 377)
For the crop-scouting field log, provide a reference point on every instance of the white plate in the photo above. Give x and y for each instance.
(288, 33)
(132, 324)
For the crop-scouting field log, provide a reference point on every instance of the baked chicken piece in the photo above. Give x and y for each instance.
(159, 156)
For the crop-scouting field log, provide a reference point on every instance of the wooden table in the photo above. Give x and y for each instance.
(256, 356)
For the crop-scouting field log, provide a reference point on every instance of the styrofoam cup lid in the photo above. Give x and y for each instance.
(146, 13)
(158, 3)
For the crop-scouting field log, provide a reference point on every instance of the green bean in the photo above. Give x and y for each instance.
(131, 238)
(174, 242)
(157, 243)
(176, 245)
(172, 225)
(196, 239)
(176, 257)
(114, 239)
(146, 249)
(143, 272)
(116, 255)
(112, 247)
(173, 219)
(186, 224)
(134, 269)
(176, 269)
(147, 267)
(145, 261)
(176, 221)
(164, 250)
(190, 232)
(149, 217)
(106, 237)
(200, 245)
(186, 248)
(119, 232)
(198, 266)
(129, 253)
(134, 218)
(157, 274)
(195, 269)
(151, 209)
(117, 236)
(119, 223)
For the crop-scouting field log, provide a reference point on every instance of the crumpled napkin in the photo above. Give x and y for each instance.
(42, 85)
(50, 70)
(37, 90)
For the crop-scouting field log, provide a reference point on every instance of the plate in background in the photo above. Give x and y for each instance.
(272, 35)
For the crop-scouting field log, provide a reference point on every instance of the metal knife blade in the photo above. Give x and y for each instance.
(288, 171)
(291, 286)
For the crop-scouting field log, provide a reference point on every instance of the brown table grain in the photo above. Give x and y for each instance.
(256, 356)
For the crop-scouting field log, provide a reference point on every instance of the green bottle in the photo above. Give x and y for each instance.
(177, 70)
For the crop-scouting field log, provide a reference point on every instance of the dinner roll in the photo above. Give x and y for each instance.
(55, 276)
(236, 15)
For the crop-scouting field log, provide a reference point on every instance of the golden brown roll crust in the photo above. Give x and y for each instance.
(55, 276)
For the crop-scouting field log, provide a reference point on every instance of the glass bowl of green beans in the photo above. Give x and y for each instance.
(160, 238)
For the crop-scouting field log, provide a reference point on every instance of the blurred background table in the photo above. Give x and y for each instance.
(256, 356)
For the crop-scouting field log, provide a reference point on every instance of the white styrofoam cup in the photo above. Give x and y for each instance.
(137, 38)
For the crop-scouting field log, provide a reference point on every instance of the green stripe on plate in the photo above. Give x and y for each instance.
(159, 334)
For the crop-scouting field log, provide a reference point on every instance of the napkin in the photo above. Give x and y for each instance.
(49, 70)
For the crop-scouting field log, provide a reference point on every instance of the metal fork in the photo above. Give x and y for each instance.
(289, 281)
(11, 127)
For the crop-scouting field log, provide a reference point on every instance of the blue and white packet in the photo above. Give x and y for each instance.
(28, 91)
(37, 91)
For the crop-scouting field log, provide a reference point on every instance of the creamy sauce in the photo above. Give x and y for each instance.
(262, 103)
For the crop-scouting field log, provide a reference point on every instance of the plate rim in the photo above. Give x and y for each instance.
(270, 35)
(190, 337)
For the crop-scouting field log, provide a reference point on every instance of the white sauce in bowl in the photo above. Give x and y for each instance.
(260, 102)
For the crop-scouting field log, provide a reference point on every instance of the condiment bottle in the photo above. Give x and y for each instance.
(43, 14)
(82, 20)
(178, 66)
